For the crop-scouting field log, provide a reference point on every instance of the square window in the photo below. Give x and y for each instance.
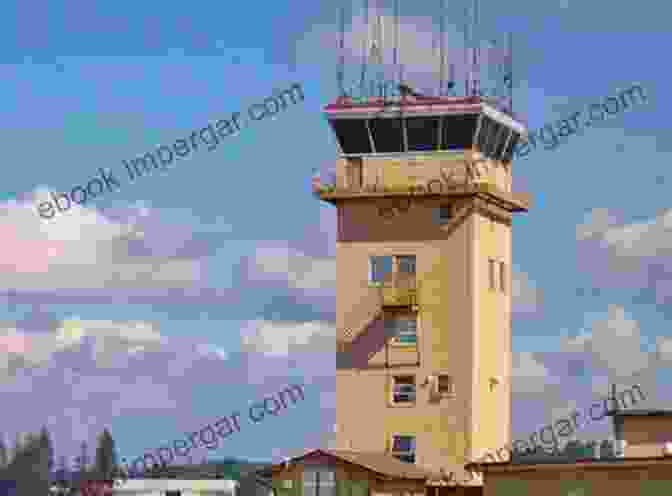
(403, 448)
(491, 273)
(380, 269)
(404, 329)
(406, 264)
(443, 214)
(404, 389)
(319, 482)
(502, 277)
(446, 384)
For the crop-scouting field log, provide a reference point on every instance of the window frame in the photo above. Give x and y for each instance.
(451, 391)
(372, 272)
(407, 258)
(502, 276)
(492, 283)
(393, 391)
(440, 209)
(318, 482)
(394, 319)
(412, 452)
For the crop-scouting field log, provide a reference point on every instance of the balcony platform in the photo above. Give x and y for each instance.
(513, 202)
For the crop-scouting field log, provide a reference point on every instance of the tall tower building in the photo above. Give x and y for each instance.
(423, 285)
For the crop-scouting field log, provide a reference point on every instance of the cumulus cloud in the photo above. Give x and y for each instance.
(111, 344)
(283, 338)
(529, 375)
(614, 343)
(83, 249)
(526, 298)
(628, 255)
(297, 269)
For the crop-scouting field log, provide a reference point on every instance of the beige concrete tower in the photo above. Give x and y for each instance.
(423, 257)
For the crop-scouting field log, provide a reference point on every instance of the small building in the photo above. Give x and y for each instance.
(325, 472)
(641, 463)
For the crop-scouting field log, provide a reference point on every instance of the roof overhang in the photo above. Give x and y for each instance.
(425, 107)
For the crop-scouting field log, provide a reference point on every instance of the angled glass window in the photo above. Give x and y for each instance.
(458, 131)
(508, 153)
(501, 141)
(352, 135)
(422, 133)
(388, 136)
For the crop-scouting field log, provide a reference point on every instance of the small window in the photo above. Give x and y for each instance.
(491, 273)
(406, 264)
(380, 269)
(444, 213)
(403, 448)
(446, 385)
(404, 329)
(404, 389)
(422, 133)
(319, 482)
(502, 277)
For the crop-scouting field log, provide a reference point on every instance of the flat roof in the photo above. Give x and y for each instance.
(643, 413)
(587, 464)
(409, 106)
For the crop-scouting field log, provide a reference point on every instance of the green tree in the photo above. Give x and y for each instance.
(47, 446)
(29, 467)
(106, 456)
(4, 456)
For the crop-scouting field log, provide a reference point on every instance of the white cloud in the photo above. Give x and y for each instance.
(297, 269)
(81, 249)
(112, 343)
(614, 341)
(526, 297)
(281, 338)
(528, 374)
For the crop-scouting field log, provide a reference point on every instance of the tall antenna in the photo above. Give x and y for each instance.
(340, 77)
(442, 33)
(377, 49)
(365, 55)
(467, 75)
(395, 59)
(499, 88)
(476, 41)
(509, 76)
(397, 9)
(451, 79)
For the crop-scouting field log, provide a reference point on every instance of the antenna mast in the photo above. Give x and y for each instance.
(397, 40)
(341, 62)
(467, 75)
(509, 76)
(365, 55)
(475, 34)
(441, 48)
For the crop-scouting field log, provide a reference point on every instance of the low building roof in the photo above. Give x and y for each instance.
(643, 413)
(587, 464)
(382, 463)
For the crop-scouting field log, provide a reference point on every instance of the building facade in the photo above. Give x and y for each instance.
(423, 287)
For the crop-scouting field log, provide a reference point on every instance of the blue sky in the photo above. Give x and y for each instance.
(159, 308)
